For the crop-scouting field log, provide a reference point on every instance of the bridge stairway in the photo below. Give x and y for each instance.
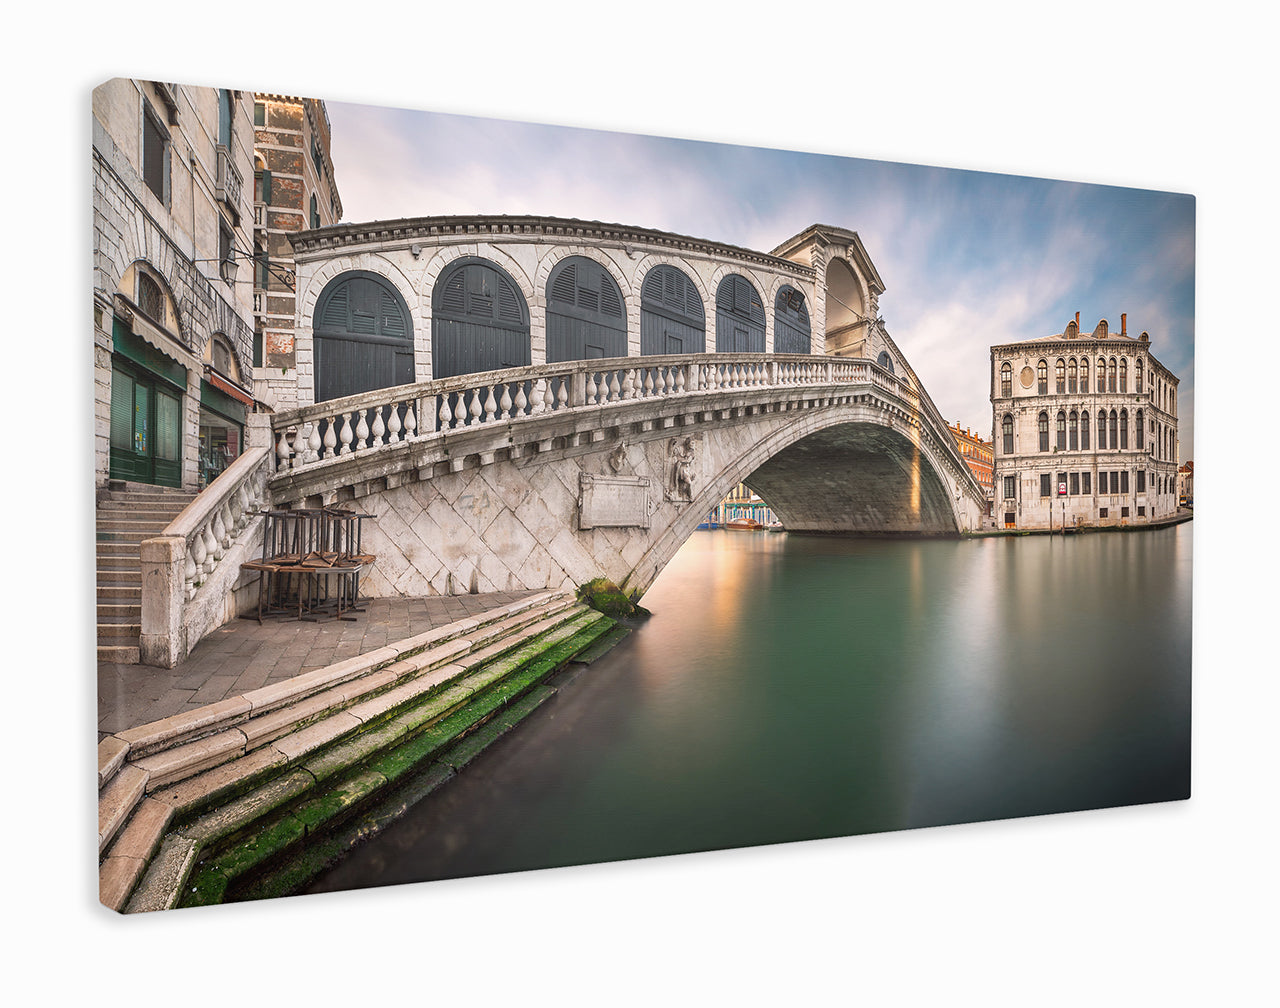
(254, 794)
(126, 515)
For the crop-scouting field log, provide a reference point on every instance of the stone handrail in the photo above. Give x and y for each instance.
(212, 522)
(369, 420)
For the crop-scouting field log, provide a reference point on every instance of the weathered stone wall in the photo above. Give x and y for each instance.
(518, 523)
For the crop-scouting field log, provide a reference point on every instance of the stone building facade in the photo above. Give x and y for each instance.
(294, 189)
(173, 333)
(1085, 430)
(444, 296)
(978, 456)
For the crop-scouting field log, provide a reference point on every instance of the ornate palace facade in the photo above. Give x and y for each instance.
(1085, 428)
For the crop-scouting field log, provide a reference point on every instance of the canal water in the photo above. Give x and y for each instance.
(797, 687)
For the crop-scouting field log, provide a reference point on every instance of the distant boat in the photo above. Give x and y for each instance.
(775, 526)
(743, 525)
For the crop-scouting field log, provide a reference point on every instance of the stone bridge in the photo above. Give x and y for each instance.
(548, 475)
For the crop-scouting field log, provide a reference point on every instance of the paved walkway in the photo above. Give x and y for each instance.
(243, 655)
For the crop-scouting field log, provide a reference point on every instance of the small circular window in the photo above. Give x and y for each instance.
(1027, 377)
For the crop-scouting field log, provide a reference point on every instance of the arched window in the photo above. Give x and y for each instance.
(585, 315)
(1044, 431)
(672, 318)
(1111, 375)
(1062, 431)
(1042, 378)
(1084, 430)
(1060, 376)
(363, 336)
(1006, 380)
(739, 316)
(1084, 374)
(1102, 375)
(791, 332)
(315, 211)
(150, 298)
(1138, 427)
(1006, 432)
(479, 320)
(1102, 430)
(1124, 374)
(1137, 376)
(1073, 430)
(1124, 429)
(1115, 423)
(1072, 372)
(885, 361)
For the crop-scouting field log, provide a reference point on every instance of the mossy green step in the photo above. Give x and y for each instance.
(458, 713)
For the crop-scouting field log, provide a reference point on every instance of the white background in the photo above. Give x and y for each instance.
(1167, 904)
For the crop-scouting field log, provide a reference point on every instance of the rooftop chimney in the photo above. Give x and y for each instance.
(1077, 320)
(1124, 325)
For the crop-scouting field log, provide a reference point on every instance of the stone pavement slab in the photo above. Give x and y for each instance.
(244, 655)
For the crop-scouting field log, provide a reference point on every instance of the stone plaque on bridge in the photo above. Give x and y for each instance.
(613, 501)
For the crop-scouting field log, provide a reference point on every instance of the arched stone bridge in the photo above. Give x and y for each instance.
(552, 474)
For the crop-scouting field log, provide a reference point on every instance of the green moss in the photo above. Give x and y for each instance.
(606, 597)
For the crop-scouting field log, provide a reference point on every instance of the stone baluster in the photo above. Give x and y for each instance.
(473, 406)
(446, 417)
(647, 390)
(330, 439)
(522, 401)
(410, 420)
(345, 435)
(490, 405)
(591, 388)
(309, 448)
(562, 392)
(282, 451)
(191, 570)
(378, 429)
(362, 431)
(615, 389)
(211, 550)
(393, 423)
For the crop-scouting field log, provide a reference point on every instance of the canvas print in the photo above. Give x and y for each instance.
(477, 496)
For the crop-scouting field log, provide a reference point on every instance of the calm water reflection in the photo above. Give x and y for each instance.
(790, 688)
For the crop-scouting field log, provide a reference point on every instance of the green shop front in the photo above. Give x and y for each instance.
(147, 387)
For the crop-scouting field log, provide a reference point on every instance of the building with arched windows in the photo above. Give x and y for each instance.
(977, 455)
(1085, 430)
(393, 302)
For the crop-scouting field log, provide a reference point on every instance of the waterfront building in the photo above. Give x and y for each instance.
(1085, 430)
(977, 454)
(173, 330)
(1186, 490)
(741, 502)
(294, 189)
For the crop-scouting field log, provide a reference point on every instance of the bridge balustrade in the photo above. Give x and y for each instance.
(384, 417)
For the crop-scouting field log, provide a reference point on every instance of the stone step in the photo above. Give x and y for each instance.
(125, 576)
(110, 612)
(131, 525)
(138, 513)
(117, 594)
(112, 632)
(119, 654)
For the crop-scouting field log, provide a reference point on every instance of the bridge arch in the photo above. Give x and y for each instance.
(818, 471)
(846, 308)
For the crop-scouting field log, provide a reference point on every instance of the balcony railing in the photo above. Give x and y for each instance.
(382, 417)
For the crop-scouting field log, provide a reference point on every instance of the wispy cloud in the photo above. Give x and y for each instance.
(969, 259)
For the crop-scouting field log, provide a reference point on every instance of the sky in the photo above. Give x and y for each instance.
(969, 259)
